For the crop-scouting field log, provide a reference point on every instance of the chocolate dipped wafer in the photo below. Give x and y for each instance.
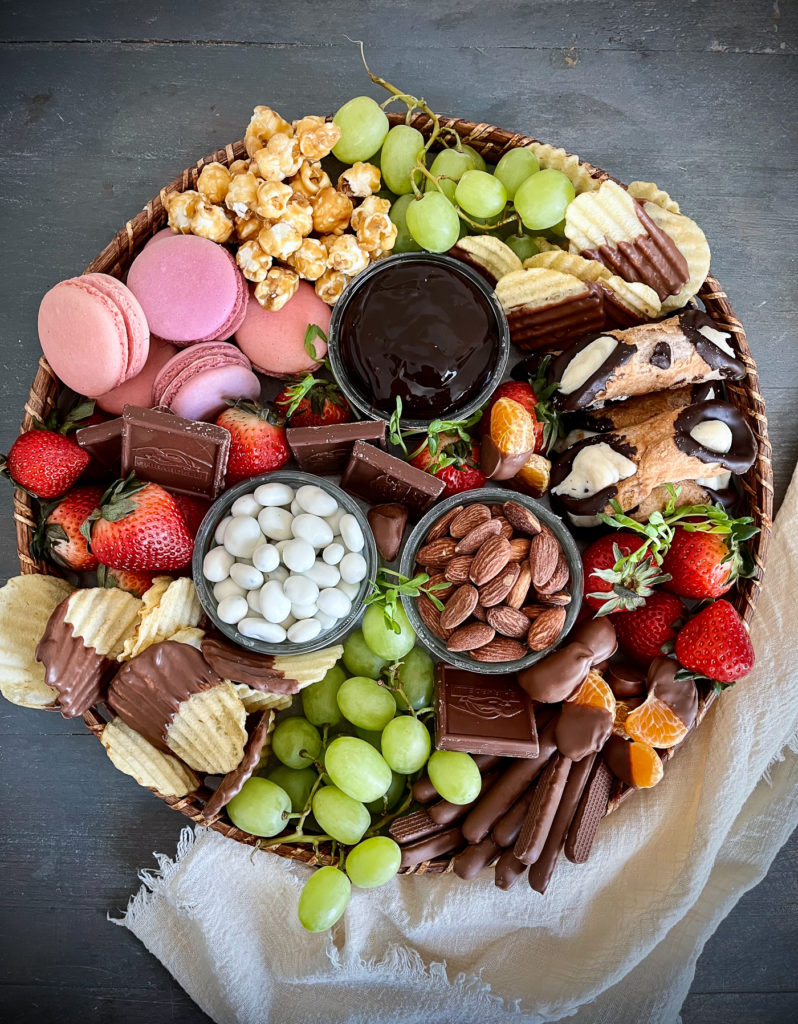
(470, 861)
(413, 827)
(542, 869)
(444, 812)
(542, 809)
(435, 846)
(589, 812)
(546, 308)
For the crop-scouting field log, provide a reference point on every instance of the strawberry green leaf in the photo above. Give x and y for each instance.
(313, 331)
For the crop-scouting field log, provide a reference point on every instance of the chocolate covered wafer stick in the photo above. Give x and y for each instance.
(475, 857)
(444, 812)
(541, 871)
(589, 813)
(434, 846)
(507, 829)
(542, 809)
(508, 870)
(412, 827)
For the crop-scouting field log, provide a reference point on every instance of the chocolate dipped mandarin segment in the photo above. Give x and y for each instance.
(557, 676)
(597, 634)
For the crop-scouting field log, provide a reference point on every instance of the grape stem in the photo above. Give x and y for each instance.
(375, 828)
(394, 684)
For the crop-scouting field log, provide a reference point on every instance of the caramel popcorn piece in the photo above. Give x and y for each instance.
(279, 240)
(376, 232)
(273, 197)
(279, 285)
(331, 212)
(299, 213)
(253, 261)
(310, 259)
(310, 179)
(330, 285)
(242, 195)
(316, 137)
(264, 124)
(345, 254)
(181, 207)
(280, 158)
(239, 167)
(248, 228)
(360, 180)
(211, 222)
(213, 182)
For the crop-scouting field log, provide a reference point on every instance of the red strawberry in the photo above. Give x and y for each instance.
(707, 554)
(58, 536)
(139, 526)
(193, 510)
(45, 463)
(619, 572)
(453, 459)
(716, 644)
(258, 440)
(644, 631)
(134, 582)
(313, 402)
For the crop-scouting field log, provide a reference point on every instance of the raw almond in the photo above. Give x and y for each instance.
(523, 582)
(441, 528)
(533, 610)
(491, 558)
(543, 554)
(520, 546)
(545, 629)
(474, 538)
(465, 521)
(497, 510)
(459, 606)
(508, 621)
(506, 529)
(431, 617)
(479, 613)
(521, 518)
(558, 578)
(499, 587)
(457, 570)
(560, 599)
(436, 554)
(470, 636)
(501, 648)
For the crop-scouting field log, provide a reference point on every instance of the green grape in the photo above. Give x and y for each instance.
(477, 163)
(366, 704)
(402, 147)
(363, 128)
(339, 815)
(541, 200)
(404, 240)
(406, 744)
(377, 631)
(558, 229)
(323, 899)
(433, 222)
(451, 165)
(319, 699)
(359, 657)
(357, 768)
(260, 807)
(480, 194)
(417, 676)
(370, 736)
(389, 800)
(515, 167)
(297, 782)
(455, 776)
(522, 245)
(296, 742)
(373, 862)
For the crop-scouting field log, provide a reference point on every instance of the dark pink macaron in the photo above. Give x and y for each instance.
(138, 390)
(198, 382)
(275, 340)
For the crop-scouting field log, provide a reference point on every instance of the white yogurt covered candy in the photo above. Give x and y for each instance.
(275, 523)
(333, 553)
(274, 494)
(313, 529)
(246, 576)
(217, 564)
(266, 557)
(260, 629)
(246, 505)
(242, 536)
(351, 533)
(353, 568)
(316, 501)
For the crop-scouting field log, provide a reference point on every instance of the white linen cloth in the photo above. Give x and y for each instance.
(614, 940)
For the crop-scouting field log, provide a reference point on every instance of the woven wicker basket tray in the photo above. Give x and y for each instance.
(491, 142)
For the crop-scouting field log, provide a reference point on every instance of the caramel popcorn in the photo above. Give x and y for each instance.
(253, 261)
(181, 207)
(316, 136)
(310, 179)
(345, 254)
(213, 182)
(211, 222)
(242, 196)
(280, 158)
(265, 124)
(310, 259)
(376, 232)
(299, 213)
(248, 228)
(360, 180)
(279, 240)
(330, 285)
(371, 204)
(331, 212)
(239, 167)
(273, 197)
(279, 285)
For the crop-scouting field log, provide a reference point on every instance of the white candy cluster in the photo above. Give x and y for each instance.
(287, 564)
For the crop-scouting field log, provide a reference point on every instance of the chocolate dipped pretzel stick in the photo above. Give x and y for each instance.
(424, 792)
(444, 813)
(684, 349)
(508, 827)
(434, 846)
(542, 809)
(476, 856)
(508, 870)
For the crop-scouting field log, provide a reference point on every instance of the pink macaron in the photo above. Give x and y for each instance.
(138, 331)
(198, 382)
(189, 288)
(275, 341)
(138, 390)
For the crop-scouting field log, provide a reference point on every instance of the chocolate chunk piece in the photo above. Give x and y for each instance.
(483, 714)
(103, 441)
(183, 456)
(325, 450)
(661, 356)
(256, 670)
(388, 524)
(559, 675)
(591, 809)
(373, 475)
(232, 783)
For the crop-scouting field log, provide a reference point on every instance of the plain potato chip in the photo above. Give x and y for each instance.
(308, 668)
(648, 191)
(560, 160)
(256, 700)
(169, 605)
(208, 730)
(492, 255)
(150, 767)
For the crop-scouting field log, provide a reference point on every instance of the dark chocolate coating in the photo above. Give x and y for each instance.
(233, 782)
(661, 356)
(617, 754)
(742, 453)
(681, 695)
(542, 809)
(591, 809)
(592, 503)
(557, 676)
(434, 846)
(445, 813)
(388, 524)
(506, 829)
(508, 870)
(498, 466)
(691, 321)
(582, 730)
(596, 382)
(473, 859)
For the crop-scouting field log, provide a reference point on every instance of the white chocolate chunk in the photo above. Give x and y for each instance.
(585, 363)
(595, 467)
(719, 338)
(714, 435)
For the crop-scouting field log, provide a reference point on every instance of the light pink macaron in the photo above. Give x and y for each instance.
(198, 382)
(138, 390)
(275, 341)
(138, 331)
(189, 287)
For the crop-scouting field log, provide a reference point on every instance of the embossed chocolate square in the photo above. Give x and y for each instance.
(325, 450)
(483, 714)
(184, 456)
(377, 477)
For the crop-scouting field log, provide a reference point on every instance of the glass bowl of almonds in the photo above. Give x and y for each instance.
(505, 580)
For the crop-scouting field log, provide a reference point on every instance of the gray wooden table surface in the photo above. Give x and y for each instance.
(103, 102)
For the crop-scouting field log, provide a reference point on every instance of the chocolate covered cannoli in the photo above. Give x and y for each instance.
(698, 442)
(684, 349)
(631, 411)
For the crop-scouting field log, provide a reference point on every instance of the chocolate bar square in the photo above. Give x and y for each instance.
(103, 441)
(375, 476)
(483, 714)
(326, 450)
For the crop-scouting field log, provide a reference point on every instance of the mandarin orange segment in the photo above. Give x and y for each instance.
(595, 693)
(511, 427)
(655, 723)
(621, 714)
(645, 766)
(535, 474)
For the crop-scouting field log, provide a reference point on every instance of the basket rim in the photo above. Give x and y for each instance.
(757, 483)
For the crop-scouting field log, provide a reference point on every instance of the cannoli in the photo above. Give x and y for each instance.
(684, 349)
(706, 491)
(628, 413)
(698, 442)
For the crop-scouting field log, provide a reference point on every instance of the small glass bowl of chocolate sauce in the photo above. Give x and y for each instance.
(421, 327)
